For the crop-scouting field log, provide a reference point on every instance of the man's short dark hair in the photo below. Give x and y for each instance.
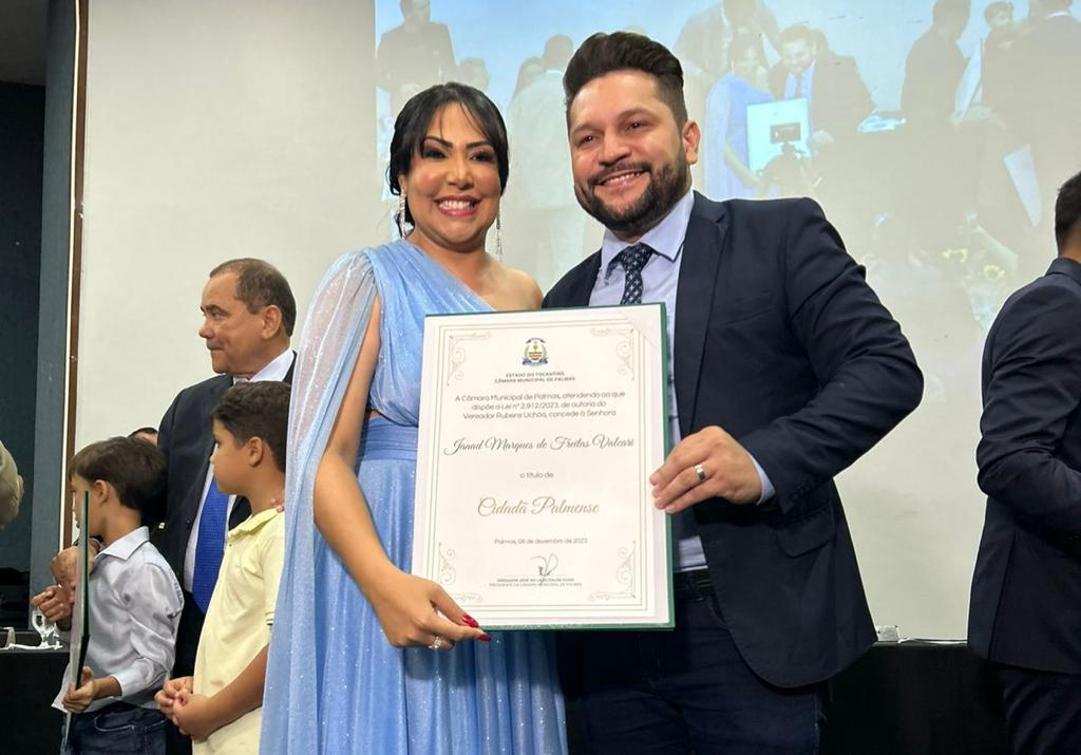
(943, 9)
(1068, 211)
(602, 54)
(798, 33)
(135, 469)
(411, 128)
(259, 284)
(257, 410)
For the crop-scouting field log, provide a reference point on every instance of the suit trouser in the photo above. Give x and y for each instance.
(689, 690)
(1043, 710)
(187, 643)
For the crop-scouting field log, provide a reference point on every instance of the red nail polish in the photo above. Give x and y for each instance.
(469, 621)
(485, 637)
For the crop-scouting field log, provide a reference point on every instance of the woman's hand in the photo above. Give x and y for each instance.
(417, 612)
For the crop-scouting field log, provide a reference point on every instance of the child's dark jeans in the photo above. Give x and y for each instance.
(117, 728)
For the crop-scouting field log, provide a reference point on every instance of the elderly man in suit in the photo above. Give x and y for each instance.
(1025, 612)
(786, 369)
(248, 316)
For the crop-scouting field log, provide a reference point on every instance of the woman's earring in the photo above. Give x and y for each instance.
(399, 218)
(498, 236)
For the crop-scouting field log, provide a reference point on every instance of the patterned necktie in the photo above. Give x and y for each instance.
(210, 547)
(633, 259)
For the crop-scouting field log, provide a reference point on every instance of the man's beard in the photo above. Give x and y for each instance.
(666, 186)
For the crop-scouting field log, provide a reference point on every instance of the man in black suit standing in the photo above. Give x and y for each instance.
(1047, 111)
(838, 100)
(786, 370)
(1025, 612)
(836, 95)
(248, 316)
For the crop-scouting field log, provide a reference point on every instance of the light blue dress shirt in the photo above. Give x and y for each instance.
(135, 603)
(660, 278)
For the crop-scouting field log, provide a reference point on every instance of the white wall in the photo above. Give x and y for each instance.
(213, 130)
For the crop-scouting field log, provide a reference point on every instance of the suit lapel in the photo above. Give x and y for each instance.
(288, 379)
(694, 301)
(211, 399)
(582, 286)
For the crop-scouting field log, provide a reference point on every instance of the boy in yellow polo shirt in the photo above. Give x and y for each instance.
(220, 706)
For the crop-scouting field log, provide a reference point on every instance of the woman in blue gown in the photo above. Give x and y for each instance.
(727, 175)
(364, 657)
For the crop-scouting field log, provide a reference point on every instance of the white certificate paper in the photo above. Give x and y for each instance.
(538, 434)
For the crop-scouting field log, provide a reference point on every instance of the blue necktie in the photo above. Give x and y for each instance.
(633, 259)
(210, 546)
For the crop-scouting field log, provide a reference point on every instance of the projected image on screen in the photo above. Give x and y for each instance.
(934, 133)
(927, 123)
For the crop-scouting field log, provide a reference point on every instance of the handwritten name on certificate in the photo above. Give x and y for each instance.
(538, 434)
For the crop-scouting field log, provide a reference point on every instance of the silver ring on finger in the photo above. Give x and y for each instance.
(437, 643)
(700, 471)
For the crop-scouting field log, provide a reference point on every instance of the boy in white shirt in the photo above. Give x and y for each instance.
(133, 599)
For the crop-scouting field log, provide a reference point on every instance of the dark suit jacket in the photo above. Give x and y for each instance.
(1026, 592)
(185, 439)
(839, 98)
(779, 340)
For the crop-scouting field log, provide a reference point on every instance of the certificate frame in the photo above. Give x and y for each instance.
(80, 615)
(642, 565)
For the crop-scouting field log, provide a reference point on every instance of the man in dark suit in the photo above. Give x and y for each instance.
(1025, 612)
(944, 175)
(838, 101)
(837, 97)
(414, 55)
(786, 369)
(248, 316)
(1046, 113)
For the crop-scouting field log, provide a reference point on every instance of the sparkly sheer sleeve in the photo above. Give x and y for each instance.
(333, 331)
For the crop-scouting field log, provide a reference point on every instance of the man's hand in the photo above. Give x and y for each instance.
(77, 700)
(194, 715)
(55, 604)
(63, 567)
(64, 563)
(727, 472)
(167, 695)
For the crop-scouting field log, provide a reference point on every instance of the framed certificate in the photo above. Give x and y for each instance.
(774, 126)
(538, 434)
(80, 614)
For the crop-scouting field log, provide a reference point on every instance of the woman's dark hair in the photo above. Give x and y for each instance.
(626, 51)
(741, 43)
(412, 124)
